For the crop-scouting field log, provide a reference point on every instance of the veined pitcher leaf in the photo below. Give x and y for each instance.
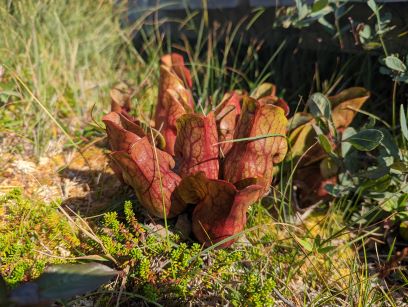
(194, 148)
(221, 207)
(255, 159)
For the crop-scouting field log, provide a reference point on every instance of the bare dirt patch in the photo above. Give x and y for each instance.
(82, 180)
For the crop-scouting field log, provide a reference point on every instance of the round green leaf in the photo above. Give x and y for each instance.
(403, 122)
(366, 140)
(319, 105)
(395, 63)
(325, 143)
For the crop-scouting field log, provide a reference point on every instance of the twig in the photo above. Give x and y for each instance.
(282, 298)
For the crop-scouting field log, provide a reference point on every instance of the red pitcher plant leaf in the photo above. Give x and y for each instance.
(122, 132)
(176, 63)
(266, 93)
(227, 114)
(120, 99)
(174, 99)
(263, 90)
(195, 148)
(148, 171)
(177, 163)
(221, 208)
(279, 102)
(255, 158)
(173, 108)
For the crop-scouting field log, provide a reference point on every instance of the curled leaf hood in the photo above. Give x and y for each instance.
(174, 98)
(148, 171)
(120, 98)
(227, 114)
(254, 158)
(221, 208)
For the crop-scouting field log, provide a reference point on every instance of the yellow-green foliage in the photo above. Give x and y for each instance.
(32, 235)
(179, 271)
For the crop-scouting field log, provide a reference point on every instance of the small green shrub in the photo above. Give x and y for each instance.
(32, 235)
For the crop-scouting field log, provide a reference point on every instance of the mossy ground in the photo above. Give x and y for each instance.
(273, 263)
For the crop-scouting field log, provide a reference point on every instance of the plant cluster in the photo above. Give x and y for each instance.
(221, 162)
(317, 137)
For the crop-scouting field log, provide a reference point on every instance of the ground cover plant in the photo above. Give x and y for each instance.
(105, 198)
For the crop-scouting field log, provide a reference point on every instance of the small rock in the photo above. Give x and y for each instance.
(63, 252)
(23, 166)
(242, 241)
(43, 161)
(158, 229)
(183, 225)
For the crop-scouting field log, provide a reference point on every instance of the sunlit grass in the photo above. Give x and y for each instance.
(68, 56)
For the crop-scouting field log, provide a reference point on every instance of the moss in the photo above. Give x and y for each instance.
(32, 235)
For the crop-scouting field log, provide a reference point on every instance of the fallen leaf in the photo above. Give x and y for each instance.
(264, 89)
(299, 119)
(347, 103)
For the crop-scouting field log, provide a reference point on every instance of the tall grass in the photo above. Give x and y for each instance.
(68, 55)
